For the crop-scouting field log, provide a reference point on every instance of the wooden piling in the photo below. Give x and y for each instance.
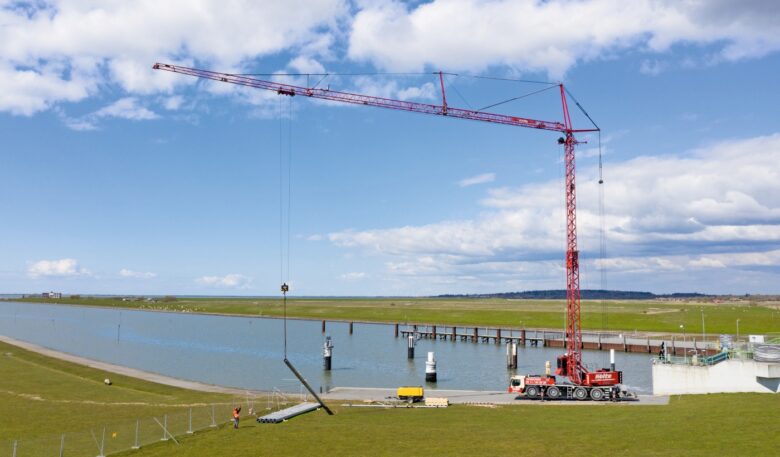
(323, 326)
(396, 329)
(350, 327)
(475, 338)
(433, 331)
(498, 336)
(522, 337)
(454, 333)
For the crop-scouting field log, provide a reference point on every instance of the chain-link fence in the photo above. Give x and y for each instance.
(110, 439)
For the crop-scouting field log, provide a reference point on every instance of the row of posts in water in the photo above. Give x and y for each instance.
(551, 338)
(430, 364)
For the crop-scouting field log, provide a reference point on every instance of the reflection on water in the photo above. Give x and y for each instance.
(246, 352)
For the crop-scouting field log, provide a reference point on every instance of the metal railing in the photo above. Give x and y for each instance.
(118, 437)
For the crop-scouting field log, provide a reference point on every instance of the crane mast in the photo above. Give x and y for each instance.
(569, 364)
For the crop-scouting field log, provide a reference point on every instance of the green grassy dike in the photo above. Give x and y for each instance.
(649, 315)
(40, 396)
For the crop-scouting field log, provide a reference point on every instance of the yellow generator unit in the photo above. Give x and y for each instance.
(411, 393)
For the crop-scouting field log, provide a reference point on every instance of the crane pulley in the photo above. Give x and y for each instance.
(570, 364)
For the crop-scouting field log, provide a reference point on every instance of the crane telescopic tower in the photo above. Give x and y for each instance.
(570, 364)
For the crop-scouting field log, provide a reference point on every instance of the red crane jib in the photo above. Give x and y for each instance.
(573, 367)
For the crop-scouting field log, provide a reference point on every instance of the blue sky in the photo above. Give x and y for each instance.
(120, 179)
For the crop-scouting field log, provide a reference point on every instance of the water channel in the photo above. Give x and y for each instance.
(247, 352)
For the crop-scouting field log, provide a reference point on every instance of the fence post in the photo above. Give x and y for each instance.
(213, 418)
(137, 426)
(62, 445)
(189, 430)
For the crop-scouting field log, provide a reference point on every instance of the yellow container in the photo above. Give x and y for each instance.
(413, 393)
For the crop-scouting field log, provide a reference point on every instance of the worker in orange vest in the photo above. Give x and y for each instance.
(236, 416)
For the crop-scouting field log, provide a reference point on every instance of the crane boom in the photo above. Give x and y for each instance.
(569, 364)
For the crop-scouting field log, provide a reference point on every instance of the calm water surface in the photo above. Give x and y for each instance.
(247, 352)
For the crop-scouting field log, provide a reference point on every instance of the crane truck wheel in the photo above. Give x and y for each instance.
(581, 393)
(553, 393)
(597, 394)
(531, 391)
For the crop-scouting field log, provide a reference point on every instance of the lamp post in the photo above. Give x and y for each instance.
(685, 350)
(702, 324)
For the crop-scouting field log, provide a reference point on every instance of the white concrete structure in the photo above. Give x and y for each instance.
(727, 376)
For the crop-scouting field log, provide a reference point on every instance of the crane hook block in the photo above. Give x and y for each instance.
(285, 288)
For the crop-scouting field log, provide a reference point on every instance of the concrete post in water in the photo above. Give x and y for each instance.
(612, 359)
(430, 368)
(511, 355)
(410, 347)
(327, 353)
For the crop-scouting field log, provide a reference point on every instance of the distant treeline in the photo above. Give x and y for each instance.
(587, 294)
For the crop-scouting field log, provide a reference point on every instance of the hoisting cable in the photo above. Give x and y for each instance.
(516, 98)
(284, 223)
(284, 286)
(602, 242)
(451, 85)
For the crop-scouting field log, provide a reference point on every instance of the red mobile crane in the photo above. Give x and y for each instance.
(584, 384)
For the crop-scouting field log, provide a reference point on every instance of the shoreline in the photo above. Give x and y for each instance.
(149, 376)
(627, 332)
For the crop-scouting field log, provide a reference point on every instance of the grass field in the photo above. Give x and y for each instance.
(653, 315)
(42, 396)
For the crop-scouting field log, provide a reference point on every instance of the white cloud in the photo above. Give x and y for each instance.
(234, 281)
(173, 103)
(708, 208)
(478, 179)
(64, 51)
(124, 108)
(353, 276)
(125, 273)
(56, 51)
(552, 36)
(56, 268)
